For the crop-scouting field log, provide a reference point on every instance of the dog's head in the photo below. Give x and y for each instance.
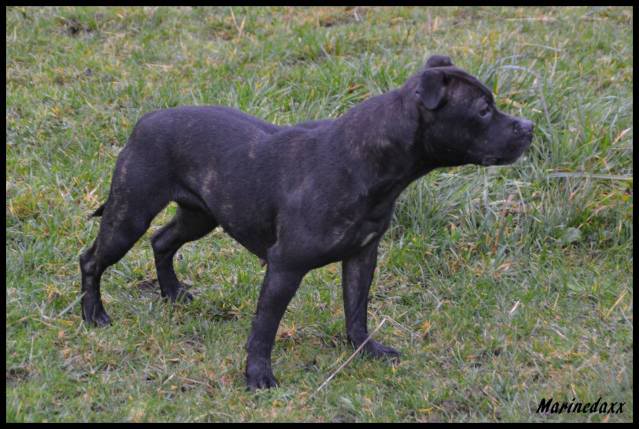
(462, 123)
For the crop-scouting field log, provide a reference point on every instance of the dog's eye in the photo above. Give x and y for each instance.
(484, 111)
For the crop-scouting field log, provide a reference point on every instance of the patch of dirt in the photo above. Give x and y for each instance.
(74, 27)
(17, 374)
(330, 17)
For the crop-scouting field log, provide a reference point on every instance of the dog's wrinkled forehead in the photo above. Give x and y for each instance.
(468, 79)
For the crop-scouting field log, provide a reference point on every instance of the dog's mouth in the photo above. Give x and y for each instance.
(493, 160)
(521, 146)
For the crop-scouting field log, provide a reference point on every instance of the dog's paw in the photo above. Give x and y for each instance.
(178, 294)
(183, 296)
(95, 315)
(260, 379)
(380, 351)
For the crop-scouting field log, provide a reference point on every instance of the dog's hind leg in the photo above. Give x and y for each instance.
(187, 225)
(123, 223)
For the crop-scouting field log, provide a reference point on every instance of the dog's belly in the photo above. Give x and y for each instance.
(254, 238)
(249, 224)
(295, 241)
(315, 246)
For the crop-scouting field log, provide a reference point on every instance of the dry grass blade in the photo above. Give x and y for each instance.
(342, 366)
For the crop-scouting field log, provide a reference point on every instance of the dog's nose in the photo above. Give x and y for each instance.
(524, 126)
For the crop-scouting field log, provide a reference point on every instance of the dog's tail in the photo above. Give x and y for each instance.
(98, 212)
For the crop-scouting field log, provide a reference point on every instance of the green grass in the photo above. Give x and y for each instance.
(515, 285)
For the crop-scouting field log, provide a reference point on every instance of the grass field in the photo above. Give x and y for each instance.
(508, 284)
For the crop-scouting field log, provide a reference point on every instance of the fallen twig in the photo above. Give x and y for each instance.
(351, 357)
(591, 176)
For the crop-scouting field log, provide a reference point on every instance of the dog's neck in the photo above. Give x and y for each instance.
(384, 132)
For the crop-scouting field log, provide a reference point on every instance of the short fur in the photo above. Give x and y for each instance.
(298, 197)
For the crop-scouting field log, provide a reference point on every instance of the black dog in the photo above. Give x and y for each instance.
(298, 197)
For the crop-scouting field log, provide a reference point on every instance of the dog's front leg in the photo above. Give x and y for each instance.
(357, 275)
(277, 290)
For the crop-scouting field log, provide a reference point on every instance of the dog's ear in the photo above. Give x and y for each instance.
(438, 61)
(432, 88)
